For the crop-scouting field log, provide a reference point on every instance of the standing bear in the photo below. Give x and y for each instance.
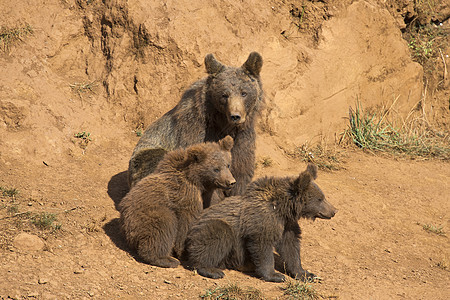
(226, 102)
(250, 227)
(158, 211)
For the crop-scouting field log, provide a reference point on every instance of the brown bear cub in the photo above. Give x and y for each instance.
(157, 213)
(250, 227)
(226, 102)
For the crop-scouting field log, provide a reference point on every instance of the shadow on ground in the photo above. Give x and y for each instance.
(118, 187)
(114, 232)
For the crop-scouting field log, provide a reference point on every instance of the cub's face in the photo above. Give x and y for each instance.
(217, 172)
(315, 204)
(234, 93)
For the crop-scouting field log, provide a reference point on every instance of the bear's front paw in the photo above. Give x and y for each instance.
(274, 277)
(304, 275)
(213, 273)
(166, 262)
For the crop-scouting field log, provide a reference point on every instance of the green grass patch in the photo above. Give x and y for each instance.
(372, 131)
(138, 132)
(83, 135)
(84, 138)
(433, 229)
(45, 221)
(13, 209)
(266, 162)
(8, 36)
(9, 192)
(233, 292)
(300, 290)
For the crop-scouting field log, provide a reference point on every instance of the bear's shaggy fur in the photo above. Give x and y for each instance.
(157, 212)
(251, 226)
(224, 103)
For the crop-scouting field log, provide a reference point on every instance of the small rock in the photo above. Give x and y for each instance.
(33, 295)
(80, 271)
(42, 280)
(167, 281)
(28, 242)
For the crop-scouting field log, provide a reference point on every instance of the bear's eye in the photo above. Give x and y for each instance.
(228, 166)
(225, 96)
(217, 170)
(244, 94)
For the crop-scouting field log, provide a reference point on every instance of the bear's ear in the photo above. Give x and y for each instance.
(195, 155)
(312, 169)
(302, 182)
(226, 143)
(213, 66)
(253, 64)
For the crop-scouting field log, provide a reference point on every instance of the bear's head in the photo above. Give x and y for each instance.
(314, 203)
(209, 164)
(234, 93)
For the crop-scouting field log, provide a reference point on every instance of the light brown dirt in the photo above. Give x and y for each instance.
(140, 56)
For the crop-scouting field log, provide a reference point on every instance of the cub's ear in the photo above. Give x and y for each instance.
(213, 66)
(302, 182)
(226, 143)
(312, 169)
(253, 64)
(195, 155)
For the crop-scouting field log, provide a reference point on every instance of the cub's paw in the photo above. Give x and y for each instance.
(213, 273)
(166, 262)
(274, 277)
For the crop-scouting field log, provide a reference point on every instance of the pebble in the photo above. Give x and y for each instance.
(42, 280)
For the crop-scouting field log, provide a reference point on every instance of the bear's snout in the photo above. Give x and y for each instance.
(235, 118)
(236, 110)
(328, 211)
(231, 183)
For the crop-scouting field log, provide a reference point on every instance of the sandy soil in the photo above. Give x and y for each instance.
(137, 58)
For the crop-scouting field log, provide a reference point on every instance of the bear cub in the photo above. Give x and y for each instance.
(158, 211)
(249, 228)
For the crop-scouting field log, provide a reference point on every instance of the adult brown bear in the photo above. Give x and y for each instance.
(226, 102)
(250, 227)
(158, 211)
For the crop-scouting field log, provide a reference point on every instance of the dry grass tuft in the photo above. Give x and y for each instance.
(413, 136)
(233, 291)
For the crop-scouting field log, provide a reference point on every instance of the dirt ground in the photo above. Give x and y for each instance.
(110, 68)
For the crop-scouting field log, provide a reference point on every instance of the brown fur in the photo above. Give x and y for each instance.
(224, 103)
(251, 226)
(157, 212)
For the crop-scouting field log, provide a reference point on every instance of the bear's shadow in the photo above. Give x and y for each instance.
(117, 189)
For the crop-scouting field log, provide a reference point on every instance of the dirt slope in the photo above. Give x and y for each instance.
(108, 68)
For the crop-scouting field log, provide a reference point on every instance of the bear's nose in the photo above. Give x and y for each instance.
(235, 118)
(231, 183)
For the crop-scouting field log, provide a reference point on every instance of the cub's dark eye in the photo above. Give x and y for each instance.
(225, 96)
(244, 94)
(228, 166)
(217, 170)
